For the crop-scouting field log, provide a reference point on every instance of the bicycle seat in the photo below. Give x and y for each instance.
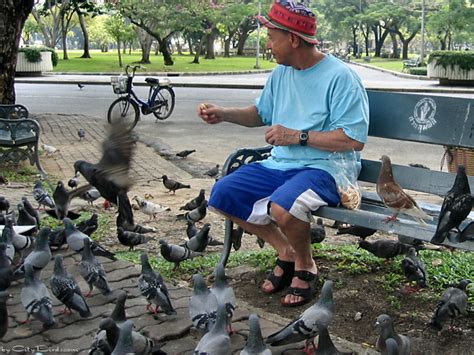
(152, 81)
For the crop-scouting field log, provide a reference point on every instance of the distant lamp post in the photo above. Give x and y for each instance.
(422, 44)
(257, 65)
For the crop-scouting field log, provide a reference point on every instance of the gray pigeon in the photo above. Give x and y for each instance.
(125, 340)
(42, 196)
(74, 181)
(457, 205)
(20, 242)
(184, 153)
(224, 293)
(6, 273)
(118, 314)
(25, 219)
(414, 269)
(216, 341)
(305, 327)
(3, 313)
(358, 231)
(202, 305)
(173, 185)
(90, 195)
(76, 240)
(325, 344)
(92, 271)
(6, 238)
(57, 238)
(384, 324)
(36, 299)
(89, 226)
(131, 239)
(392, 347)
(31, 210)
(62, 200)
(153, 288)
(386, 249)
(453, 304)
(4, 204)
(40, 256)
(66, 290)
(200, 240)
(81, 133)
(195, 202)
(191, 231)
(255, 344)
(176, 253)
(196, 214)
(106, 338)
(318, 233)
(213, 171)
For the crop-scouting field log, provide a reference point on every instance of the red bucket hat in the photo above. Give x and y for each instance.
(292, 17)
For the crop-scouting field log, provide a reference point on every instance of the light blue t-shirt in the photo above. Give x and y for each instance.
(324, 97)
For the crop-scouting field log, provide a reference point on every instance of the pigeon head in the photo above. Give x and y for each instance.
(38, 184)
(43, 237)
(462, 285)
(58, 265)
(145, 263)
(118, 314)
(199, 284)
(164, 178)
(383, 321)
(326, 294)
(111, 329)
(364, 244)
(462, 183)
(68, 223)
(411, 252)
(386, 166)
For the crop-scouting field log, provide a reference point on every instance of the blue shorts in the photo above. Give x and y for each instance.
(247, 192)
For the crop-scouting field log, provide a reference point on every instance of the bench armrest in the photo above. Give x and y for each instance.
(18, 131)
(15, 111)
(244, 156)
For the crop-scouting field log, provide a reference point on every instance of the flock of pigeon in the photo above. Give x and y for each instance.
(24, 255)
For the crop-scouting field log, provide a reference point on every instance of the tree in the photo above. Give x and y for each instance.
(29, 29)
(98, 33)
(116, 27)
(13, 15)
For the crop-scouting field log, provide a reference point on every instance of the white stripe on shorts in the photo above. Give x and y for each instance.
(259, 213)
(307, 202)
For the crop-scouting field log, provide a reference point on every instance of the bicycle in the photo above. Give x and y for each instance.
(160, 101)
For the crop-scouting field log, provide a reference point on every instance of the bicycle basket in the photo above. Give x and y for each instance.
(119, 84)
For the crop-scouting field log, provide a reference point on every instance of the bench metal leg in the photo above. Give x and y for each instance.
(229, 226)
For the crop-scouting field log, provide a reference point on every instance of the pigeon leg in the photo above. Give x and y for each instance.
(149, 307)
(66, 310)
(89, 294)
(392, 218)
(307, 349)
(410, 289)
(26, 321)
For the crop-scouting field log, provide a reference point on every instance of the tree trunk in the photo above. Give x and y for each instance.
(168, 60)
(227, 42)
(355, 47)
(49, 39)
(379, 39)
(13, 15)
(190, 45)
(146, 41)
(210, 46)
(86, 53)
(119, 53)
(179, 47)
(395, 49)
(198, 49)
(64, 38)
(241, 43)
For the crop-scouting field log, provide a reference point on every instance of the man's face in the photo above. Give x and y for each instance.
(279, 42)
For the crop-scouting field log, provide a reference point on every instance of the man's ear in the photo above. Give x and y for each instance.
(294, 40)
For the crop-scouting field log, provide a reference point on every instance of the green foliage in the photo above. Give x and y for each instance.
(418, 71)
(20, 174)
(464, 59)
(32, 54)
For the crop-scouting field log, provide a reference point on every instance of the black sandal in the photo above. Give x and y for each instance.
(284, 280)
(306, 293)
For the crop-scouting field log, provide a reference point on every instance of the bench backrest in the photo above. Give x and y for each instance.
(14, 111)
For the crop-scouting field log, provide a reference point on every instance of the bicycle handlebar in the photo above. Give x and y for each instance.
(133, 68)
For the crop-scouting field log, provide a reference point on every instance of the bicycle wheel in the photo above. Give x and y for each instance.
(164, 103)
(123, 110)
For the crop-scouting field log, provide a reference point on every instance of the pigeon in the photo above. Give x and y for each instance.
(66, 290)
(110, 176)
(118, 314)
(386, 249)
(36, 299)
(80, 86)
(57, 238)
(105, 339)
(49, 149)
(255, 344)
(202, 305)
(394, 197)
(224, 293)
(191, 231)
(385, 326)
(414, 269)
(3, 313)
(6, 238)
(89, 226)
(318, 233)
(125, 340)
(184, 153)
(216, 341)
(62, 200)
(417, 165)
(213, 171)
(175, 253)
(358, 231)
(41, 196)
(153, 288)
(195, 202)
(149, 208)
(173, 185)
(6, 273)
(391, 347)
(453, 303)
(90, 195)
(31, 210)
(305, 327)
(325, 344)
(131, 239)
(4, 204)
(466, 234)
(81, 133)
(74, 181)
(3, 180)
(40, 256)
(25, 219)
(21, 242)
(196, 214)
(456, 207)
(92, 271)
(76, 240)
(200, 240)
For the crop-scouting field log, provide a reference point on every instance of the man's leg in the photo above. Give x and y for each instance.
(297, 233)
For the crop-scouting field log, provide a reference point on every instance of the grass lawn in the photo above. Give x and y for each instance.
(384, 63)
(108, 62)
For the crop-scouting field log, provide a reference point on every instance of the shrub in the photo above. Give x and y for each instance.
(464, 59)
(418, 71)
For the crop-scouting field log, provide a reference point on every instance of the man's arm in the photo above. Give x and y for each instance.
(333, 141)
(247, 116)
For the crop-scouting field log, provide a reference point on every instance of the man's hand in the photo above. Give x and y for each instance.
(210, 113)
(279, 135)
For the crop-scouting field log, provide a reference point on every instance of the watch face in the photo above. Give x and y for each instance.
(303, 136)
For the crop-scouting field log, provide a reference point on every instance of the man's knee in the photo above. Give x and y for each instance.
(281, 216)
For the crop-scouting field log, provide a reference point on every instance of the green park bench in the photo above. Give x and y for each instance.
(436, 120)
(19, 136)
(411, 63)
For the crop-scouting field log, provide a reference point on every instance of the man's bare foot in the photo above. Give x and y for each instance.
(280, 277)
(302, 287)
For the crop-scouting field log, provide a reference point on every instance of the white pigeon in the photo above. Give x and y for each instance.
(149, 208)
(49, 149)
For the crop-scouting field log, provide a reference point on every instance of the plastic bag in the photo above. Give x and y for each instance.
(348, 167)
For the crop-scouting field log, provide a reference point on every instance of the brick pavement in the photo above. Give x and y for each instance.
(74, 334)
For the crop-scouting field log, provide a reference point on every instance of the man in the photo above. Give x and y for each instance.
(315, 105)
